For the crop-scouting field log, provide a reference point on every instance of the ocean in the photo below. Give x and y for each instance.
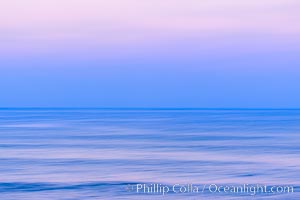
(87, 154)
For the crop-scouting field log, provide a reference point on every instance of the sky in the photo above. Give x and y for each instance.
(142, 53)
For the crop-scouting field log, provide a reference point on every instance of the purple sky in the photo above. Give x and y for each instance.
(141, 53)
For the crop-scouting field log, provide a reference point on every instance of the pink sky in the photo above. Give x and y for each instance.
(32, 26)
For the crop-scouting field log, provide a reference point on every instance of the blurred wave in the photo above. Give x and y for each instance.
(95, 153)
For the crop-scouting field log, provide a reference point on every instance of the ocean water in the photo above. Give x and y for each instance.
(85, 154)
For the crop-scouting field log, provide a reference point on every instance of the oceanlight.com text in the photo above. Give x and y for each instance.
(244, 189)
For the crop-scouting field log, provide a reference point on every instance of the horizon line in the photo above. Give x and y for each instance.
(140, 108)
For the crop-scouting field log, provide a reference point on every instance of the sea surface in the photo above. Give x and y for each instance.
(87, 154)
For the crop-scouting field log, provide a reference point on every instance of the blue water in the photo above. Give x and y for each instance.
(86, 154)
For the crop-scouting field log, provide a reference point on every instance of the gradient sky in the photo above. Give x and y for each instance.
(150, 53)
